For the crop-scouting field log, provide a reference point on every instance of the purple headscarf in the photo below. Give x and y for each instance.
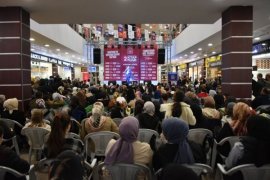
(122, 150)
(175, 131)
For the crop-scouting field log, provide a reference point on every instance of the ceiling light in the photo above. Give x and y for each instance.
(199, 57)
(257, 38)
(146, 24)
(264, 44)
(66, 52)
(57, 49)
(205, 55)
(220, 55)
(199, 49)
(213, 52)
(191, 52)
(210, 44)
(32, 39)
(47, 45)
(73, 56)
(150, 27)
(180, 57)
(186, 55)
(32, 49)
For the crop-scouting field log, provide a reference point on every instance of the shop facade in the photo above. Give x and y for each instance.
(45, 66)
(182, 70)
(213, 66)
(196, 69)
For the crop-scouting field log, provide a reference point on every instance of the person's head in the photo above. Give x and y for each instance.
(209, 102)
(157, 106)
(265, 91)
(203, 88)
(122, 150)
(67, 166)
(212, 92)
(97, 112)
(259, 76)
(59, 128)
(229, 109)
(267, 77)
(174, 130)
(258, 127)
(100, 105)
(74, 102)
(177, 172)
(164, 97)
(2, 98)
(219, 101)
(138, 107)
(241, 112)
(39, 95)
(1, 135)
(149, 108)
(138, 95)
(40, 103)
(37, 116)
(115, 95)
(178, 96)
(11, 104)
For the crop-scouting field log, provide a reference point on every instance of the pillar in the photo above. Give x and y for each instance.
(237, 28)
(15, 68)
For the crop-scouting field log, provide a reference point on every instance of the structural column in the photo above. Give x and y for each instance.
(237, 28)
(15, 69)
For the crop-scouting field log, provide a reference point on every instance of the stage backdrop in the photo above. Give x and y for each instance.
(130, 63)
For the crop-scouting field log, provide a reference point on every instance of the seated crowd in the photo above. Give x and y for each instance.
(62, 107)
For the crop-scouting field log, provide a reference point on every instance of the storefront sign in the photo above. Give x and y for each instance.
(52, 60)
(192, 64)
(212, 59)
(200, 63)
(214, 64)
(84, 69)
(60, 62)
(183, 66)
(39, 57)
(261, 48)
(66, 63)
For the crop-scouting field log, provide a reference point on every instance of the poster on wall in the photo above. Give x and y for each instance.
(130, 63)
(112, 64)
(148, 65)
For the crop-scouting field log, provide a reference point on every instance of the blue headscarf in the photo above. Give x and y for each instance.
(175, 131)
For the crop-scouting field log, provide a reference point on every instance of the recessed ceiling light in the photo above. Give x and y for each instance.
(199, 57)
(32, 39)
(150, 27)
(180, 57)
(213, 52)
(210, 44)
(205, 55)
(146, 24)
(73, 56)
(220, 55)
(186, 55)
(257, 38)
(57, 49)
(191, 52)
(47, 45)
(199, 49)
(79, 58)
(66, 52)
(32, 49)
(264, 44)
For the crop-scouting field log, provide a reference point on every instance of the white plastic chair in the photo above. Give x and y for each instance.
(4, 170)
(200, 169)
(145, 135)
(11, 124)
(231, 140)
(198, 136)
(117, 121)
(249, 171)
(36, 139)
(43, 167)
(73, 135)
(121, 171)
(100, 140)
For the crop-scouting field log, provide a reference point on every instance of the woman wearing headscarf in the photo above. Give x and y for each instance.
(253, 148)
(147, 119)
(177, 149)
(127, 149)
(98, 122)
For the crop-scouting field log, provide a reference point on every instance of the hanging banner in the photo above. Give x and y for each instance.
(112, 64)
(148, 64)
(130, 63)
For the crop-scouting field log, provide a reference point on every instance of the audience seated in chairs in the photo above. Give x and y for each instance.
(253, 148)
(67, 166)
(147, 119)
(37, 120)
(177, 149)
(57, 141)
(10, 159)
(128, 149)
(98, 122)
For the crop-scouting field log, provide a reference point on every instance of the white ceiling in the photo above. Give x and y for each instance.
(142, 12)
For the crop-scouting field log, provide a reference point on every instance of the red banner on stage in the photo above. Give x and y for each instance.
(112, 64)
(148, 64)
(130, 63)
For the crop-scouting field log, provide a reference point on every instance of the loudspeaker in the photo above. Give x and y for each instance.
(161, 56)
(97, 55)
